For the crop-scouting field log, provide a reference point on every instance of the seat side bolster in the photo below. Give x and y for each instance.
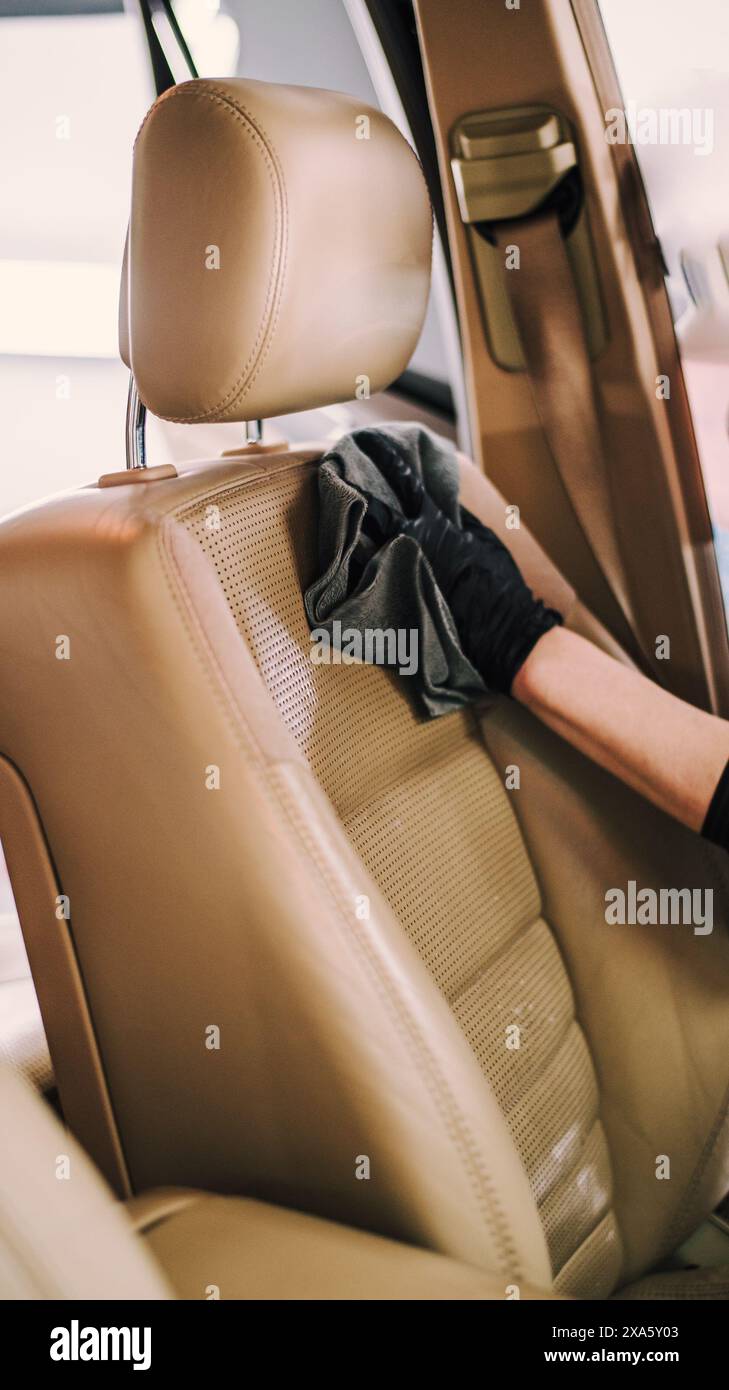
(652, 999)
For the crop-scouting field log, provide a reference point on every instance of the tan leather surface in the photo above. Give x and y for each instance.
(58, 984)
(238, 907)
(324, 243)
(226, 1248)
(459, 881)
(62, 1235)
(218, 809)
(652, 1000)
(157, 1204)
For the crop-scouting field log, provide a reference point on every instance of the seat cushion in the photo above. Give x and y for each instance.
(223, 1247)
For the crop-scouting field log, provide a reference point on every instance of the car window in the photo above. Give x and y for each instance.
(672, 60)
(64, 199)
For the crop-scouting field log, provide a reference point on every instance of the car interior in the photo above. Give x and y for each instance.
(278, 927)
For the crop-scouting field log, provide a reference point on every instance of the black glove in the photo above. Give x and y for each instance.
(716, 821)
(497, 617)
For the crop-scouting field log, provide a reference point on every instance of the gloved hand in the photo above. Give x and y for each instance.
(497, 617)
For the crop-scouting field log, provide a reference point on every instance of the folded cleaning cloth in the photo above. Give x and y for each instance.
(383, 604)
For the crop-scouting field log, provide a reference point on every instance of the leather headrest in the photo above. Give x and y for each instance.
(279, 251)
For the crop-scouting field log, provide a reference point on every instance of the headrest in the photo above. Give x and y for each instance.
(278, 255)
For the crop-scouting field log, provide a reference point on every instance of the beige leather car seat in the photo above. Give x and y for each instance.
(62, 1235)
(303, 920)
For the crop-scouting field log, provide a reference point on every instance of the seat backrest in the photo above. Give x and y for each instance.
(426, 810)
(319, 963)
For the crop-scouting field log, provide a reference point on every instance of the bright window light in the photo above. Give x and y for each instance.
(58, 308)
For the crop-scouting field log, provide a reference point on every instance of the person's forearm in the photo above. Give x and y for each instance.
(669, 751)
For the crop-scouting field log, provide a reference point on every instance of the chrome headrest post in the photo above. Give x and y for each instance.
(136, 421)
(254, 431)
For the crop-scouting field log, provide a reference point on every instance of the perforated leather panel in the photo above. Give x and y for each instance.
(427, 811)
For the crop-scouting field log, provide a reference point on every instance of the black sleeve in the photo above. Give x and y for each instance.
(716, 823)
